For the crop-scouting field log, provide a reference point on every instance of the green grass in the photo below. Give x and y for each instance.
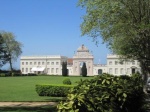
(23, 88)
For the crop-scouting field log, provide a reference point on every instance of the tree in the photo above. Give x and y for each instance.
(64, 69)
(12, 47)
(123, 24)
(4, 56)
(84, 70)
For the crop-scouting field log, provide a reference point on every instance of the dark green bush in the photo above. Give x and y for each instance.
(53, 90)
(67, 81)
(106, 93)
(2, 75)
(32, 74)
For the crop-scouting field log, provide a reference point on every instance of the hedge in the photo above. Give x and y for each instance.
(53, 90)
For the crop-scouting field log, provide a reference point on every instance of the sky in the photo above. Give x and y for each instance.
(48, 27)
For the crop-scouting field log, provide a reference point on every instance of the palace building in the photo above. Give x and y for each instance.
(51, 65)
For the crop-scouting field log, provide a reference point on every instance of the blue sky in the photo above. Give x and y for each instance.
(48, 27)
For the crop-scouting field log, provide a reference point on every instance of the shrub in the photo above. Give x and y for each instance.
(2, 75)
(32, 74)
(106, 93)
(67, 81)
(53, 90)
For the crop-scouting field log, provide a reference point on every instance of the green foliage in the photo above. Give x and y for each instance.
(84, 70)
(106, 93)
(53, 90)
(67, 81)
(64, 69)
(12, 47)
(2, 75)
(123, 24)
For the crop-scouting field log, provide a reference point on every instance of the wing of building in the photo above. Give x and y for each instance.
(51, 65)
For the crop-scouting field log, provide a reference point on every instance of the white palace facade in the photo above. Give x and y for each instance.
(51, 65)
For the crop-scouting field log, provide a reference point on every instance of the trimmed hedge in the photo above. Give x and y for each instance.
(53, 90)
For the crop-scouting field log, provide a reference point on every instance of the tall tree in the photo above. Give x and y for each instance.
(84, 70)
(64, 69)
(12, 47)
(4, 56)
(123, 24)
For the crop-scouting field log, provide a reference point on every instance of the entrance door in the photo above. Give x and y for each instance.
(100, 71)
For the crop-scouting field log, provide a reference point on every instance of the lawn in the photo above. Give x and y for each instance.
(23, 88)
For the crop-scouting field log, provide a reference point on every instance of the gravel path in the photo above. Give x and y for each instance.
(26, 104)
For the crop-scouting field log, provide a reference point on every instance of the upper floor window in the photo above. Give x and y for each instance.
(26, 63)
(22, 63)
(48, 63)
(116, 62)
(110, 62)
(52, 63)
(133, 62)
(42, 63)
(34, 63)
(57, 63)
(38, 63)
(30, 63)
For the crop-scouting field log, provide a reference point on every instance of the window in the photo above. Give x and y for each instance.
(133, 62)
(110, 62)
(116, 70)
(52, 70)
(30, 63)
(116, 62)
(38, 63)
(128, 70)
(128, 63)
(22, 63)
(42, 63)
(121, 71)
(26, 69)
(26, 63)
(57, 63)
(110, 70)
(22, 69)
(30, 69)
(57, 70)
(34, 63)
(48, 63)
(52, 63)
(48, 70)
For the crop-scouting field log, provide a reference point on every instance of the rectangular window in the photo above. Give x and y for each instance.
(38, 63)
(22, 69)
(22, 63)
(48, 70)
(116, 70)
(133, 62)
(110, 70)
(30, 69)
(48, 63)
(110, 62)
(26, 69)
(52, 70)
(34, 63)
(116, 62)
(30, 63)
(42, 63)
(121, 71)
(57, 63)
(26, 63)
(57, 70)
(128, 70)
(52, 63)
